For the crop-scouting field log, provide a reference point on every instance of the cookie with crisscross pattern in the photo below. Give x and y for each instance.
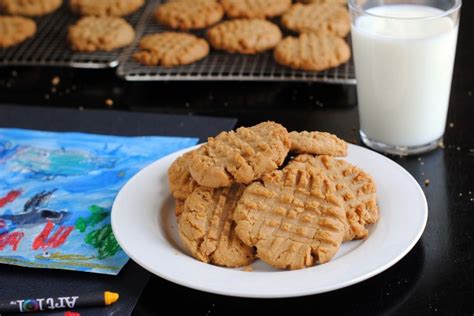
(255, 8)
(353, 185)
(207, 228)
(312, 52)
(293, 218)
(29, 7)
(240, 156)
(318, 143)
(189, 14)
(318, 18)
(15, 29)
(171, 49)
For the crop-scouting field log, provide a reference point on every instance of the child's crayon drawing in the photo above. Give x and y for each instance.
(56, 193)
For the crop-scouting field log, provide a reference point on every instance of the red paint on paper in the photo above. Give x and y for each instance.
(10, 197)
(11, 239)
(58, 238)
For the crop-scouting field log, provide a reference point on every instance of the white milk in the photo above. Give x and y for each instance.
(404, 70)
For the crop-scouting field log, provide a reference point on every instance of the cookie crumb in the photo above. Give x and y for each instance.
(109, 102)
(427, 182)
(248, 268)
(55, 81)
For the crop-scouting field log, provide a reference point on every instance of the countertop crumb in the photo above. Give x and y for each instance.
(427, 182)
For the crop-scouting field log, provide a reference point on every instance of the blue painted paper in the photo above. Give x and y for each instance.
(57, 190)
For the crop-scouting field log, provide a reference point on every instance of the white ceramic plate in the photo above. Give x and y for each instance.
(144, 224)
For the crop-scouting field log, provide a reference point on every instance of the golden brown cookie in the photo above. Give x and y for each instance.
(293, 218)
(356, 187)
(104, 33)
(181, 182)
(343, 2)
(189, 14)
(15, 29)
(318, 18)
(317, 143)
(207, 228)
(105, 7)
(255, 8)
(171, 49)
(179, 208)
(29, 7)
(312, 52)
(241, 156)
(245, 36)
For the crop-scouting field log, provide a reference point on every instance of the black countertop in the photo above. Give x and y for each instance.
(436, 277)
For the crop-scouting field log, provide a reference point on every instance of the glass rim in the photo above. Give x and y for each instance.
(457, 5)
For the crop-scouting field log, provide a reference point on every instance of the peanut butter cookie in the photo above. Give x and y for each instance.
(255, 8)
(312, 52)
(189, 14)
(171, 49)
(355, 186)
(241, 156)
(293, 218)
(181, 182)
(207, 228)
(106, 7)
(317, 143)
(29, 7)
(316, 18)
(245, 36)
(15, 29)
(104, 33)
(343, 2)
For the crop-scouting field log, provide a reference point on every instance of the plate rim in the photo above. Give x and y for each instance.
(352, 281)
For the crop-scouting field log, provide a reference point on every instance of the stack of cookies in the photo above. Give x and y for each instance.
(262, 192)
(322, 26)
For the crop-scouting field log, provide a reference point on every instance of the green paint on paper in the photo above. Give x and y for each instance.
(63, 256)
(104, 240)
(98, 214)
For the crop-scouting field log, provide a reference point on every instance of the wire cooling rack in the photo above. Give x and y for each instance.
(49, 46)
(220, 65)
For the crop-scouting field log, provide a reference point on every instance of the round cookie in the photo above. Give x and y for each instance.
(15, 29)
(241, 156)
(292, 218)
(312, 52)
(207, 230)
(105, 7)
(317, 143)
(105, 33)
(29, 7)
(189, 14)
(255, 8)
(244, 36)
(181, 182)
(318, 18)
(355, 186)
(171, 49)
(343, 2)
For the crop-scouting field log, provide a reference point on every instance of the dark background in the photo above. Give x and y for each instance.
(436, 277)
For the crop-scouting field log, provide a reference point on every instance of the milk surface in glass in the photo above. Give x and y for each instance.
(404, 69)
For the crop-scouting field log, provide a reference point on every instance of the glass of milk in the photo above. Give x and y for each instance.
(404, 55)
